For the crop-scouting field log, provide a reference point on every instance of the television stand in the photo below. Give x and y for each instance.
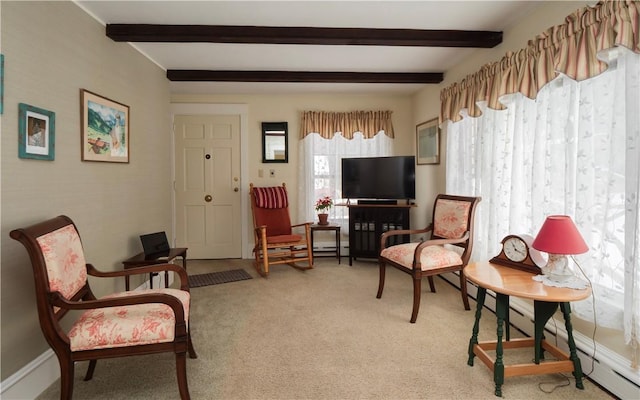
(378, 202)
(367, 222)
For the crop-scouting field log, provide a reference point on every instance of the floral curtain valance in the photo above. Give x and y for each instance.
(327, 123)
(571, 49)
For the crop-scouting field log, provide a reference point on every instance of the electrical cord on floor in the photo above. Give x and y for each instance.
(567, 379)
(565, 382)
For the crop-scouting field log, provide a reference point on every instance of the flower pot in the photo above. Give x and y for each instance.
(323, 219)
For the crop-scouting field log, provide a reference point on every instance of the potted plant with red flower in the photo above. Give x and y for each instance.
(323, 205)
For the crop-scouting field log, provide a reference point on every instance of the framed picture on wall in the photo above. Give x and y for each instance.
(105, 129)
(36, 133)
(428, 142)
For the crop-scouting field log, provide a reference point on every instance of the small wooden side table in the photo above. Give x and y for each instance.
(140, 260)
(505, 282)
(330, 227)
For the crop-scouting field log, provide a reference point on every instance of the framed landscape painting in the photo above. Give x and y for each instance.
(428, 142)
(36, 133)
(105, 129)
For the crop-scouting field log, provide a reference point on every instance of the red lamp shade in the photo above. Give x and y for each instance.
(559, 235)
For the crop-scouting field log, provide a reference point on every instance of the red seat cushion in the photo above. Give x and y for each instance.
(283, 239)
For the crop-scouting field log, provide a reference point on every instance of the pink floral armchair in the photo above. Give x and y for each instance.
(120, 324)
(452, 225)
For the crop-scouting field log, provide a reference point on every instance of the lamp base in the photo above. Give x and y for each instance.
(557, 268)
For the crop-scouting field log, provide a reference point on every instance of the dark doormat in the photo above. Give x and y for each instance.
(214, 278)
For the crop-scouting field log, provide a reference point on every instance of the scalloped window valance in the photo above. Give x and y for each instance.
(571, 49)
(327, 123)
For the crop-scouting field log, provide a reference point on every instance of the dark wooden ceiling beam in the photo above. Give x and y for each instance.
(302, 76)
(301, 35)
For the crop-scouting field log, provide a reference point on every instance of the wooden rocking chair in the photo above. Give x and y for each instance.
(275, 242)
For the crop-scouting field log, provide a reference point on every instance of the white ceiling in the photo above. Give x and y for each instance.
(455, 15)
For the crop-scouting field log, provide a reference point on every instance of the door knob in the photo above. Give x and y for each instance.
(208, 198)
(235, 189)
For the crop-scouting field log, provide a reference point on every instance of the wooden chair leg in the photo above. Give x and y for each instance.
(66, 378)
(265, 259)
(432, 285)
(383, 269)
(90, 369)
(417, 287)
(258, 261)
(463, 290)
(192, 351)
(181, 370)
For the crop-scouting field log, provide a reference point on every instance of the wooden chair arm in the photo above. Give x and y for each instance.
(146, 269)
(388, 234)
(58, 300)
(302, 224)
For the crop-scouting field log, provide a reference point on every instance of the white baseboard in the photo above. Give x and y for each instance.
(34, 378)
(610, 370)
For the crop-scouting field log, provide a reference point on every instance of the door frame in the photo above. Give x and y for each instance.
(216, 109)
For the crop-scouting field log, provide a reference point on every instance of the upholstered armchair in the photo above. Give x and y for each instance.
(275, 239)
(117, 325)
(447, 248)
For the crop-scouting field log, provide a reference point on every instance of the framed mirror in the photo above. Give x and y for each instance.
(275, 142)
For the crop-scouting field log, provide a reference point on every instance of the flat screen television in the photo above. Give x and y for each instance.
(379, 178)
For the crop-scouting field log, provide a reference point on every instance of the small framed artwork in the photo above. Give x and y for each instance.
(105, 129)
(36, 133)
(428, 142)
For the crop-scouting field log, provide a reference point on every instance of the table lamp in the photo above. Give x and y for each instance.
(559, 237)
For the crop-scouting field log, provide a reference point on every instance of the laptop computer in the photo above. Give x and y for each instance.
(155, 245)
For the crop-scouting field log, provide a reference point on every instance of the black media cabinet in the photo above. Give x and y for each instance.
(367, 222)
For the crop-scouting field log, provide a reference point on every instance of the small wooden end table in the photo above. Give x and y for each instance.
(140, 260)
(329, 227)
(505, 282)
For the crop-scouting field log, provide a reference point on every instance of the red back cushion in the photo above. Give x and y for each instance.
(272, 210)
(271, 197)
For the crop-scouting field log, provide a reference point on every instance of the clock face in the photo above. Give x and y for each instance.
(515, 249)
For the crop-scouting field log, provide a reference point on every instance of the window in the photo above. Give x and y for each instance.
(321, 173)
(573, 150)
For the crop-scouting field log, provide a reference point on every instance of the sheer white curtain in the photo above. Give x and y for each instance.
(573, 150)
(321, 175)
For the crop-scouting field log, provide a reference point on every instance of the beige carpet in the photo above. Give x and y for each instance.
(322, 334)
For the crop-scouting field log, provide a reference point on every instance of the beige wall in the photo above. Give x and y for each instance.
(52, 50)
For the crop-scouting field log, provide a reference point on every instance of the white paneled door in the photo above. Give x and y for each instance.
(207, 159)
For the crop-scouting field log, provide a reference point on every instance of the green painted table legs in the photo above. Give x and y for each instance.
(543, 311)
(573, 355)
(482, 293)
(502, 314)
